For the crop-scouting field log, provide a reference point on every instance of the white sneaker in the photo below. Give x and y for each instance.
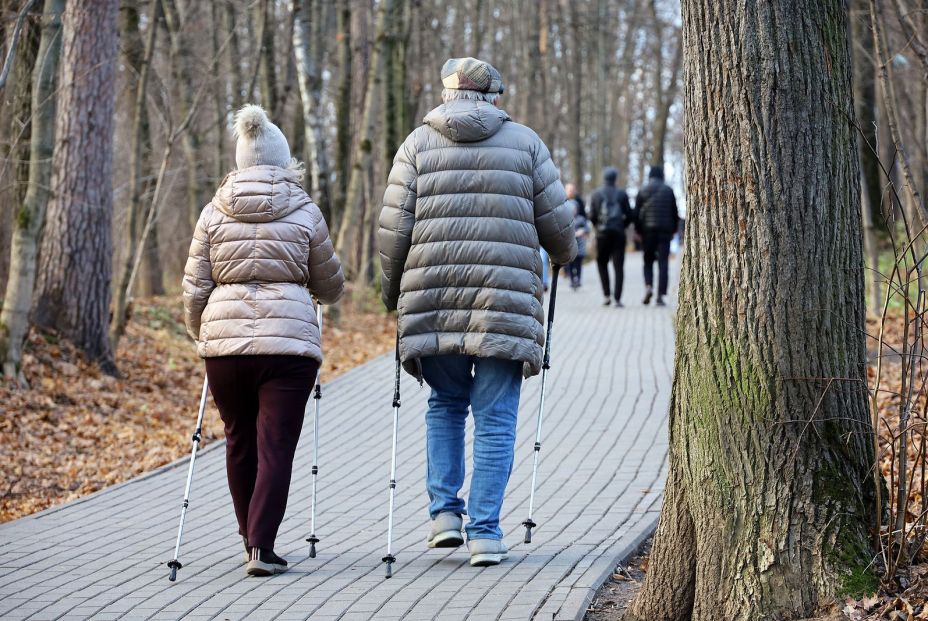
(446, 531)
(487, 552)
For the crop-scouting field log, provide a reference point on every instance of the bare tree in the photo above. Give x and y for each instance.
(307, 45)
(182, 65)
(352, 223)
(14, 318)
(138, 56)
(73, 290)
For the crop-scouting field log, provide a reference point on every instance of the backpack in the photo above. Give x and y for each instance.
(610, 211)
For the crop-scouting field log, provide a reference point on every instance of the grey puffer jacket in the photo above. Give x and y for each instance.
(260, 248)
(470, 197)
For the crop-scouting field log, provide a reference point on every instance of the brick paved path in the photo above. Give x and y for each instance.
(600, 485)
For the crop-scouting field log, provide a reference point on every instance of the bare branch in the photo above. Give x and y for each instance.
(14, 40)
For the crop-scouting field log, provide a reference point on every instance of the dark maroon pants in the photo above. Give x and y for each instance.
(261, 400)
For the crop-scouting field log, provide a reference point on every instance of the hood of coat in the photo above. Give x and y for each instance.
(464, 120)
(260, 193)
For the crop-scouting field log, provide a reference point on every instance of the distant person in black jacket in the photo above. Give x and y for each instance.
(657, 221)
(610, 213)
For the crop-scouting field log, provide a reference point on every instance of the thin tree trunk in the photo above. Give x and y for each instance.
(308, 55)
(234, 55)
(14, 318)
(870, 183)
(890, 106)
(355, 211)
(263, 14)
(769, 496)
(575, 138)
(219, 99)
(662, 114)
(342, 114)
(73, 289)
(138, 56)
(182, 61)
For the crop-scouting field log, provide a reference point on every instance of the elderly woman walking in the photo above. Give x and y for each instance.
(260, 250)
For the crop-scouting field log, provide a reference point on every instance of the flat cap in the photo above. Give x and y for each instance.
(471, 74)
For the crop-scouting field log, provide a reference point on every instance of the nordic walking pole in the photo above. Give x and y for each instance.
(175, 564)
(317, 395)
(389, 559)
(546, 364)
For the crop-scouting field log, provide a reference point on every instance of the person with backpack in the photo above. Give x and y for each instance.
(581, 233)
(657, 223)
(610, 213)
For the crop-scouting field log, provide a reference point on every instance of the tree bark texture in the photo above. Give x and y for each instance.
(769, 498)
(306, 46)
(73, 291)
(14, 319)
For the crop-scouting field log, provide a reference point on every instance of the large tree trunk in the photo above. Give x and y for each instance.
(769, 497)
(138, 56)
(349, 240)
(307, 45)
(14, 319)
(73, 291)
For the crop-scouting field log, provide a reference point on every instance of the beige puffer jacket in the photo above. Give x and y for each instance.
(260, 248)
(471, 198)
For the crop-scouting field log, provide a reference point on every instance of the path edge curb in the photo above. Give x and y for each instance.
(627, 551)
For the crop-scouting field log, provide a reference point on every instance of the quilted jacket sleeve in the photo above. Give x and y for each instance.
(397, 218)
(553, 212)
(198, 275)
(326, 279)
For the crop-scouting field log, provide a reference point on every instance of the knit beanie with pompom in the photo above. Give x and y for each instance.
(258, 141)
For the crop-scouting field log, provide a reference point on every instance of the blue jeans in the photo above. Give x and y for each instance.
(544, 267)
(490, 386)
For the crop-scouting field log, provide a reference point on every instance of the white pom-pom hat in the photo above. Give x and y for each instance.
(258, 142)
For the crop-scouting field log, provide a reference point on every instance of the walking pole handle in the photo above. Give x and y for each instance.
(554, 278)
(396, 386)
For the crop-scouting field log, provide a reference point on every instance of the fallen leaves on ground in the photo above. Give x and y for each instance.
(74, 430)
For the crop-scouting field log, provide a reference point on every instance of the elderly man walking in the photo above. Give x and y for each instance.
(471, 197)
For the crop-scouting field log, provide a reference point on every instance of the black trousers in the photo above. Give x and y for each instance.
(656, 246)
(575, 269)
(610, 246)
(261, 400)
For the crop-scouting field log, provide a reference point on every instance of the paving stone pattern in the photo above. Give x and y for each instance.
(599, 490)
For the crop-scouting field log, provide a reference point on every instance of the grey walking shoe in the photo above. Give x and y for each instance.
(446, 531)
(263, 562)
(648, 292)
(487, 552)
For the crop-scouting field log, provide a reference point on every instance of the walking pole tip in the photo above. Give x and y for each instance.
(389, 560)
(174, 565)
(313, 540)
(529, 525)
